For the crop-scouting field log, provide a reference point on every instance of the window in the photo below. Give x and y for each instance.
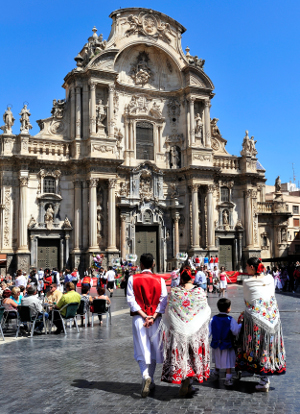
(49, 185)
(295, 209)
(296, 222)
(144, 141)
(224, 194)
(297, 248)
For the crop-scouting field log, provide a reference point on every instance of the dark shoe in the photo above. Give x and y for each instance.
(184, 389)
(57, 332)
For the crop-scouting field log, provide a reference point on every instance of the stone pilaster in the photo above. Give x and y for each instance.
(192, 120)
(111, 90)
(111, 215)
(78, 112)
(85, 111)
(123, 236)
(72, 116)
(77, 216)
(248, 218)
(195, 214)
(210, 217)
(93, 215)
(207, 124)
(176, 234)
(23, 236)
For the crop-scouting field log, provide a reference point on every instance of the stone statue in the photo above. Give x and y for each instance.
(278, 185)
(101, 115)
(49, 217)
(156, 111)
(174, 157)
(67, 224)
(249, 146)
(58, 108)
(99, 224)
(123, 189)
(8, 121)
(25, 122)
(225, 217)
(198, 127)
(283, 235)
(174, 191)
(215, 131)
(32, 222)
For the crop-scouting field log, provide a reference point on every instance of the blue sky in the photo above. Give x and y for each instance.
(251, 49)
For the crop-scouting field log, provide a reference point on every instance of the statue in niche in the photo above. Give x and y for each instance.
(9, 120)
(199, 128)
(99, 199)
(283, 236)
(225, 217)
(100, 116)
(278, 185)
(156, 111)
(25, 122)
(123, 189)
(99, 225)
(175, 157)
(146, 192)
(174, 191)
(49, 217)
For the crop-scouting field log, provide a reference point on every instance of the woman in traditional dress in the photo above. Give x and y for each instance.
(277, 278)
(261, 348)
(186, 346)
(223, 281)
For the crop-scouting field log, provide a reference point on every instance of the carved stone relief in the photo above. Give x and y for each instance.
(7, 226)
(148, 25)
(140, 70)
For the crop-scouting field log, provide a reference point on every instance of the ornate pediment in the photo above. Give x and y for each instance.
(141, 104)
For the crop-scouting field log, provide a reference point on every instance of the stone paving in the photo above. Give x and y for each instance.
(95, 372)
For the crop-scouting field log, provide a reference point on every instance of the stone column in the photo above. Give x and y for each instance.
(93, 214)
(240, 250)
(210, 217)
(192, 120)
(195, 216)
(123, 236)
(111, 90)
(207, 123)
(248, 218)
(85, 216)
(85, 111)
(67, 238)
(23, 238)
(77, 221)
(72, 126)
(93, 108)
(78, 112)
(61, 259)
(126, 137)
(176, 234)
(235, 254)
(111, 214)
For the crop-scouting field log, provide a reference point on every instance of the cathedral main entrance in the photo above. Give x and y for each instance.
(146, 241)
(48, 253)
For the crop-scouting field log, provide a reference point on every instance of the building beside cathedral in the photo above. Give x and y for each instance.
(131, 161)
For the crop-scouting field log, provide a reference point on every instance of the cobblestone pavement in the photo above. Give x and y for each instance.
(94, 371)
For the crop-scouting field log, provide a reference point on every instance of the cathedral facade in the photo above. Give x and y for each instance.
(131, 161)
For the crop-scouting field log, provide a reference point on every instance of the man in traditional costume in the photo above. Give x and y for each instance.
(147, 298)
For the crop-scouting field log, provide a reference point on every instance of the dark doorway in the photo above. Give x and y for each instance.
(226, 254)
(48, 253)
(146, 241)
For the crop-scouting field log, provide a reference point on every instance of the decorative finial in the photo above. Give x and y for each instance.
(187, 49)
(247, 132)
(95, 36)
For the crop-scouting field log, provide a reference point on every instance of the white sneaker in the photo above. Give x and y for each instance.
(228, 382)
(146, 387)
(263, 386)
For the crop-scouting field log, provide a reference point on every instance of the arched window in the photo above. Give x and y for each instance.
(144, 141)
(49, 185)
(224, 194)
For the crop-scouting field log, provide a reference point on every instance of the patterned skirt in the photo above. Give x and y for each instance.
(258, 350)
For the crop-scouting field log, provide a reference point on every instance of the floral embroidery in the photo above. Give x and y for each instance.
(264, 309)
(191, 300)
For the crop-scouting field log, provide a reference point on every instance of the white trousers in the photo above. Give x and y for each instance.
(144, 348)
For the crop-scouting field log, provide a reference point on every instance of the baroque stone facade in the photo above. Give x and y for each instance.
(129, 160)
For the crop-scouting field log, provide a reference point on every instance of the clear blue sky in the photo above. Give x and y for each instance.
(251, 49)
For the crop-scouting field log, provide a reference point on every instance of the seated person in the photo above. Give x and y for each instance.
(101, 295)
(54, 295)
(70, 297)
(22, 292)
(36, 307)
(10, 304)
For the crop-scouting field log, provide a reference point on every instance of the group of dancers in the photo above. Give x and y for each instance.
(177, 330)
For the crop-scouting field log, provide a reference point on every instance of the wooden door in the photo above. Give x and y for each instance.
(225, 258)
(146, 242)
(48, 253)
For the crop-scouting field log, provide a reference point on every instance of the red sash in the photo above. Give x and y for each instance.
(147, 291)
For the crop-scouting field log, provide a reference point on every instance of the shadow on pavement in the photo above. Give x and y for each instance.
(161, 393)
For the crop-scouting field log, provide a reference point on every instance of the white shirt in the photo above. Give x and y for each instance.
(110, 276)
(163, 300)
(21, 281)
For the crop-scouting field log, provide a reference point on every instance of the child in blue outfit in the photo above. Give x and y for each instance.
(223, 328)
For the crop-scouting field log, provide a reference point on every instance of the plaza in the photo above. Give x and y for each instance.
(94, 371)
